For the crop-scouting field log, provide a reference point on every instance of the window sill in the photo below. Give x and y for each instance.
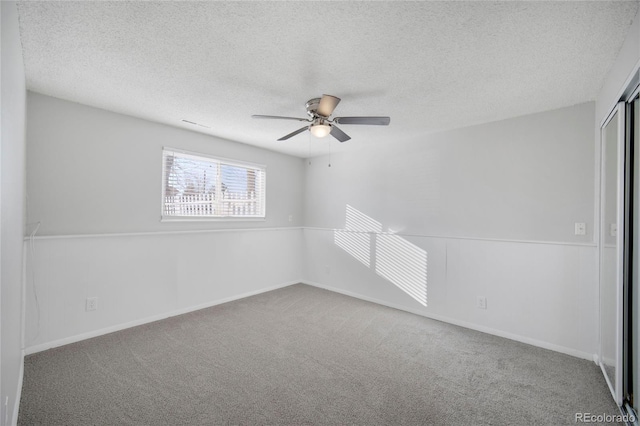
(211, 219)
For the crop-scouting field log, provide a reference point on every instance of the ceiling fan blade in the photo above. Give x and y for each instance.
(292, 134)
(327, 104)
(339, 134)
(280, 117)
(376, 121)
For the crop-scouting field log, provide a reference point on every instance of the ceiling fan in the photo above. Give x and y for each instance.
(319, 111)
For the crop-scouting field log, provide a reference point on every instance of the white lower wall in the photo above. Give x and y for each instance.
(138, 278)
(539, 293)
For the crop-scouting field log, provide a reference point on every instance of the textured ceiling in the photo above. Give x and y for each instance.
(428, 65)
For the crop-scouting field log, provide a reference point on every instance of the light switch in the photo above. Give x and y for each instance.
(613, 229)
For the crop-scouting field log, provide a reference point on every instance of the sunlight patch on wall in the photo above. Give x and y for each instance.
(356, 244)
(404, 264)
(392, 257)
(358, 221)
(355, 238)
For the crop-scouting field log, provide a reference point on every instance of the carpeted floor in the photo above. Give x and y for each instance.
(302, 355)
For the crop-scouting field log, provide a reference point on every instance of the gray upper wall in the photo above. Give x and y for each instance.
(91, 171)
(526, 178)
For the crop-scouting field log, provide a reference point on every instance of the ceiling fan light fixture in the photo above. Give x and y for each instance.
(320, 130)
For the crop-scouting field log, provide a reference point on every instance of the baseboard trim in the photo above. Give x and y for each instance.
(100, 332)
(16, 403)
(465, 324)
(79, 337)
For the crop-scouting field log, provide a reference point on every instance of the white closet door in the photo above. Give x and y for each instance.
(612, 248)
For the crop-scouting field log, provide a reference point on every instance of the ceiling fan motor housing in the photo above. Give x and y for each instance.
(312, 107)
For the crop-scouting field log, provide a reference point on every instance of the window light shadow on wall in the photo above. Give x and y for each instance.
(403, 264)
(355, 238)
(392, 257)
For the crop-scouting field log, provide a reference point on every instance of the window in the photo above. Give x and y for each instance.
(199, 186)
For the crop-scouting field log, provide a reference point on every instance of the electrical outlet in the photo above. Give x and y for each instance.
(580, 228)
(92, 304)
(481, 302)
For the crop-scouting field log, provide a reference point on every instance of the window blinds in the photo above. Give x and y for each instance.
(197, 185)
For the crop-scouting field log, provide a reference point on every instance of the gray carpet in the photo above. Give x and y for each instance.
(302, 355)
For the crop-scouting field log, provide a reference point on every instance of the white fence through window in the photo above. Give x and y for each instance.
(231, 204)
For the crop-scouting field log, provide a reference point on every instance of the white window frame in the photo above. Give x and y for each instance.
(221, 161)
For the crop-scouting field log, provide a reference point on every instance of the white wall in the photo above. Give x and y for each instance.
(491, 207)
(94, 184)
(11, 211)
(138, 278)
(528, 178)
(542, 294)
